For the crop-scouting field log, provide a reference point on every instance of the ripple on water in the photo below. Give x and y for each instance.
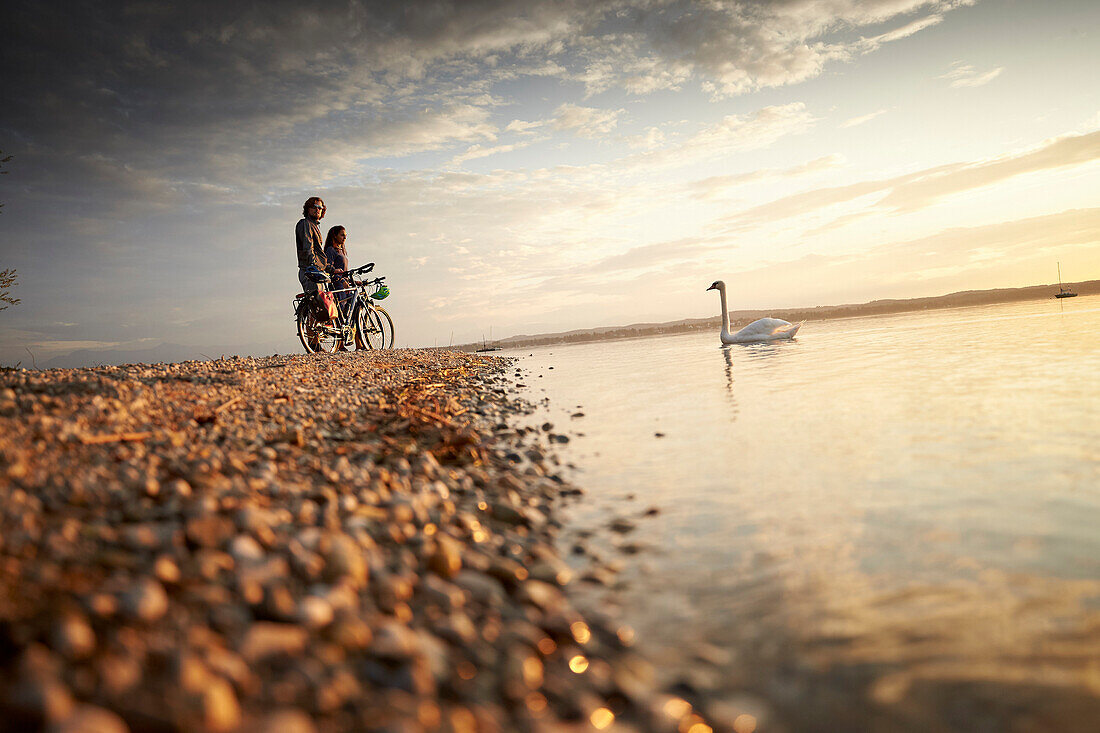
(889, 521)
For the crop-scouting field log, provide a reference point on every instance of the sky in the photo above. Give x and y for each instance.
(522, 167)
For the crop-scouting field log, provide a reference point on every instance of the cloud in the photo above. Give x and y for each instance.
(958, 250)
(904, 31)
(963, 75)
(915, 191)
(855, 121)
(586, 121)
(523, 127)
(741, 47)
(730, 135)
(142, 75)
(651, 139)
(711, 187)
(649, 256)
(476, 151)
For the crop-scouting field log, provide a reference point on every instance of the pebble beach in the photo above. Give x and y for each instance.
(359, 541)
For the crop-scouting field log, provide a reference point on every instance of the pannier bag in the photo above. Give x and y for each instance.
(324, 307)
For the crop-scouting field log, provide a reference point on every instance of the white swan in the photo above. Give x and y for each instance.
(765, 329)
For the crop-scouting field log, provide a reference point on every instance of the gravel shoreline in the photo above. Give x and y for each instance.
(359, 541)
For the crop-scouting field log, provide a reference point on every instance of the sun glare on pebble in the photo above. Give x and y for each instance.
(744, 723)
(601, 718)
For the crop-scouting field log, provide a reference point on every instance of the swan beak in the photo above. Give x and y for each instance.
(710, 288)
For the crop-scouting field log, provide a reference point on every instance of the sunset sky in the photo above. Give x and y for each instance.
(534, 166)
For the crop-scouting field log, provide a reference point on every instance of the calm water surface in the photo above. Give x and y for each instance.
(892, 523)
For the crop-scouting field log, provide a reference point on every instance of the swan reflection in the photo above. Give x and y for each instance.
(729, 381)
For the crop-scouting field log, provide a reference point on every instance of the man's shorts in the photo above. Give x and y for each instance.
(308, 286)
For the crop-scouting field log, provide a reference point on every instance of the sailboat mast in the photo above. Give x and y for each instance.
(1059, 275)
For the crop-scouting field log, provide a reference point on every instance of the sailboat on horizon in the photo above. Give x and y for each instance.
(1063, 292)
(484, 346)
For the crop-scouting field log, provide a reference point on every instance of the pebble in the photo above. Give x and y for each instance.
(314, 612)
(287, 721)
(267, 639)
(622, 525)
(446, 560)
(359, 541)
(146, 601)
(244, 548)
(221, 711)
(209, 531)
(73, 638)
(90, 719)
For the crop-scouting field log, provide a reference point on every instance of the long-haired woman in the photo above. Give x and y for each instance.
(337, 255)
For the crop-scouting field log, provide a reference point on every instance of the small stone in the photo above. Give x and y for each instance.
(346, 558)
(395, 641)
(146, 601)
(506, 513)
(541, 594)
(118, 674)
(38, 693)
(446, 561)
(72, 637)
(166, 570)
(90, 719)
(350, 632)
(314, 612)
(622, 526)
(229, 665)
(220, 707)
(209, 531)
(265, 639)
(244, 548)
(287, 721)
(177, 488)
(191, 674)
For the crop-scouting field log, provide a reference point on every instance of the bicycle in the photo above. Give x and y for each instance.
(360, 322)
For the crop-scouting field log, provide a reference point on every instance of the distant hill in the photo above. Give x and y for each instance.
(818, 313)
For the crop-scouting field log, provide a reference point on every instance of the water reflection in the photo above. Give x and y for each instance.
(877, 531)
(729, 383)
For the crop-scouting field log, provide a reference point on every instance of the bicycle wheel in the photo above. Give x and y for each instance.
(386, 324)
(314, 335)
(362, 329)
(369, 332)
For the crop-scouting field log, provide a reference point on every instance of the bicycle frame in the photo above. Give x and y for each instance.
(348, 308)
(345, 310)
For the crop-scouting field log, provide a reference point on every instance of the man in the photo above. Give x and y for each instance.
(308, 242)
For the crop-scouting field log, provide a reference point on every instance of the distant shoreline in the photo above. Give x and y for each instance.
(817, 313)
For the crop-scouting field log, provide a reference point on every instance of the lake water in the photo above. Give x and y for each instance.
(891, 523)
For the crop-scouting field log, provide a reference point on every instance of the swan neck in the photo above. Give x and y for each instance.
(725, 310)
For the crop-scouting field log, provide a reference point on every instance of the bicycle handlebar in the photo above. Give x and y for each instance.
(367, 283)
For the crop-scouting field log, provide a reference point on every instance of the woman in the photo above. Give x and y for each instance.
(337, 257)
